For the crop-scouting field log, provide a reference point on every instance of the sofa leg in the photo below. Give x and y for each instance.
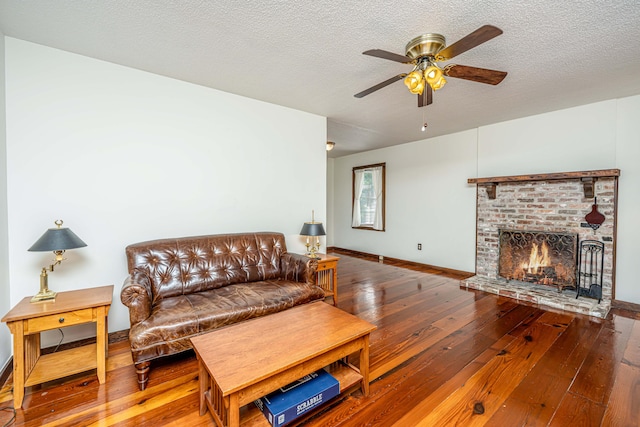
(142, 369)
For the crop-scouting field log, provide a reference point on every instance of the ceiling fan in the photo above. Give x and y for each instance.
(425, 51)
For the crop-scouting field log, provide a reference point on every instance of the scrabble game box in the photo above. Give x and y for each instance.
(293, 400)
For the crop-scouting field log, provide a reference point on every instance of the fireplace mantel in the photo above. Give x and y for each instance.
(587, 178)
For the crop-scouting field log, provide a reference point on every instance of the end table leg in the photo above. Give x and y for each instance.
(335, 286)
(17, 329)
(101, 345)
(106, 334)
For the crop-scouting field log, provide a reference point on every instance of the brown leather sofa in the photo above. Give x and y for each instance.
(180, 288)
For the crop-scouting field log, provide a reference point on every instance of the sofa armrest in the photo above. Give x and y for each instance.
(298, 268)
(136, 295)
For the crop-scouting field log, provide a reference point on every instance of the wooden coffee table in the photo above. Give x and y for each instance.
(245, 361)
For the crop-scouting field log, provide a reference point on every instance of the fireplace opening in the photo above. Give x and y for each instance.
(538, 257)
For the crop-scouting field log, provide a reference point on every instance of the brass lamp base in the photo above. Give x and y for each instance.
(45, 293)
(312, 255)
(312, 250)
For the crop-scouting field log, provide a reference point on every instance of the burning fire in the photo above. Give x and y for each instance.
(537, 260)
(538, 257)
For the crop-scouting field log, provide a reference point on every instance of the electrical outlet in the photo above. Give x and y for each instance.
(419, 246)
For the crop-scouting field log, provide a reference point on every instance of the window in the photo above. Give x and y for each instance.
(368, 197)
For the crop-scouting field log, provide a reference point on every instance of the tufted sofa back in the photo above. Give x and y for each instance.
(193, 264)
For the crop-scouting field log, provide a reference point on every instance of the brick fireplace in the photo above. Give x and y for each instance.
(530, 230)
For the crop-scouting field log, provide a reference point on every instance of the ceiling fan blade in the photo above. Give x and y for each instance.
(379, 53)
(479, 36)
(380, 85)
(426, 98)
(480, 75)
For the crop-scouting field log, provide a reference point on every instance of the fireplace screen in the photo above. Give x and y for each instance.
(538, 257)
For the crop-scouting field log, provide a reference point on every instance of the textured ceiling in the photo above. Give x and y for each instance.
(307, 54)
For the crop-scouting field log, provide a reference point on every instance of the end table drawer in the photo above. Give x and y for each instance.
(54, 321)
(326, 266)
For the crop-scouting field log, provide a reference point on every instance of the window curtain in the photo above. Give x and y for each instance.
(376, 174)
(358, 182)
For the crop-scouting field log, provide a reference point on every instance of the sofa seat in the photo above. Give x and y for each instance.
(174, 320)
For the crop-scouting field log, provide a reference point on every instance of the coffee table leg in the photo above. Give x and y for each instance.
(234, 410)
(364, 365)
(203, 381)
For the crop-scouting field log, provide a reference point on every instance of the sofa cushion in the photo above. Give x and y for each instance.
(174, 320)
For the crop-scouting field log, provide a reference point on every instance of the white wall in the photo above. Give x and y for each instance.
(425, 197)
(575, 139)
(330, 211)
(5, 304)
(428, 199)
(628, 161)
(124, 156)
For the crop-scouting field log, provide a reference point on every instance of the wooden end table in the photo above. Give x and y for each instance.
(327, 276)
(27, 320)
(245, 361)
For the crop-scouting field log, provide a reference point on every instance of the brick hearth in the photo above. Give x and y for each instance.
(553, 203)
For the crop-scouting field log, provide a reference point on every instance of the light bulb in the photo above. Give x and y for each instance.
(424, 127)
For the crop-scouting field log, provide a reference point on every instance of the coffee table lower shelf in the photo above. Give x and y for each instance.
(346, 374)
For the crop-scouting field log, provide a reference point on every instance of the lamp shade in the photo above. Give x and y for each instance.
(57, 239)
(312, 229)
(414, 82)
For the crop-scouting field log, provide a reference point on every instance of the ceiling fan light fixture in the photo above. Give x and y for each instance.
(439, 84)
(418, 89)
(432, 74)
(414, 82)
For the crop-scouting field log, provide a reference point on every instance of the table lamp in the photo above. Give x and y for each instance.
(313, 229)
(57, 240)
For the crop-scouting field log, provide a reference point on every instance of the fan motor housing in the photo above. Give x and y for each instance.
(425, 45)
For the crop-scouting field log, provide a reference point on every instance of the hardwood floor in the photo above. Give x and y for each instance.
(441, 356)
